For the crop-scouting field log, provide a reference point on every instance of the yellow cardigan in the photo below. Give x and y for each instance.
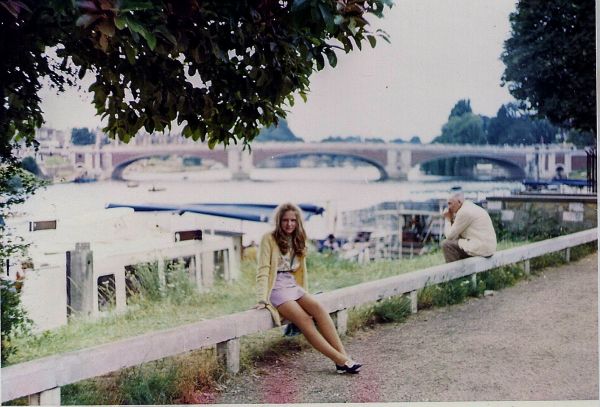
(268, 256)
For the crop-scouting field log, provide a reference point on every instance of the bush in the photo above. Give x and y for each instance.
(395, 309)
(583, 250)
(149, 386)
(29, 164)
(534, 225)
(14, 318)
(501, 277)
(448, 293)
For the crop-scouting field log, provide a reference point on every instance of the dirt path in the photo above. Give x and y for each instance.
(535, 341)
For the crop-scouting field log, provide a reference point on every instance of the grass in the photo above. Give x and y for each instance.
(185, 379)
(181, 304)
(192, 378)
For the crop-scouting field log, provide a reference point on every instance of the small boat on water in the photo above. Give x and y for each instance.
(84, 179)
(156, 189)
(133, 184)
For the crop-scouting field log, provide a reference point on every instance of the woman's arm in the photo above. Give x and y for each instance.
(263, 269)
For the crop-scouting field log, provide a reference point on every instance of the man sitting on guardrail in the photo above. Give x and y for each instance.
(469, 230)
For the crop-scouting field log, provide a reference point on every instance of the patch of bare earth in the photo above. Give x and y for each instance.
(537, 340)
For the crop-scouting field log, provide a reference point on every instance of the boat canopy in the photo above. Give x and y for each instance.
(243, 211)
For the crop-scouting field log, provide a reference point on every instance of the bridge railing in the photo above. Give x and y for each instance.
(41, 379)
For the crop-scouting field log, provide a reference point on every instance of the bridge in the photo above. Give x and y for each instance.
(393, 161)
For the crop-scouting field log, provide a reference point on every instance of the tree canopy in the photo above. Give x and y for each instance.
(512, 125)
(463, 126)
(82, 136)
(550, 61)
(344, 139)
(277, 132)
(461, 107)
(222, 69)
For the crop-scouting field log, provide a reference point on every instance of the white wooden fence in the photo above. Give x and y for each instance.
(41, 379)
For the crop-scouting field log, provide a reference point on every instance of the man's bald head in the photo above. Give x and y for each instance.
(455, 201)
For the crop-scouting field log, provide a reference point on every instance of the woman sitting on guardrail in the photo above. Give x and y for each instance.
(282, 288)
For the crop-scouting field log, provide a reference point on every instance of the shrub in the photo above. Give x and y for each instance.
(361, 317)
(149, 386)
(395, 309)
(14, 317)
(535, 225)
(501, 277)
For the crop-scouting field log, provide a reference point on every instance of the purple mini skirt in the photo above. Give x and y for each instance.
(285, 289)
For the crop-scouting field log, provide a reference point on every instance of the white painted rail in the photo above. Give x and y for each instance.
(48, 374)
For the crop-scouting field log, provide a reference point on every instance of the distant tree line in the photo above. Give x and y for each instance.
(82, 136)
(511, 125)
(279, 132)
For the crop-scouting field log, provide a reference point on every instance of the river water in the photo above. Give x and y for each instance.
(336, 189)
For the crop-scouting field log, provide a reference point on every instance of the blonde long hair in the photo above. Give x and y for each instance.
(298, 240)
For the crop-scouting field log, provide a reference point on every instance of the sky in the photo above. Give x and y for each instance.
(441, 51)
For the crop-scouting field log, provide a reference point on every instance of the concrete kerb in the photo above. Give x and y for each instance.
(49, 373)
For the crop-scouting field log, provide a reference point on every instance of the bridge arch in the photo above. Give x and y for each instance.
(117, 173)
(515, 170)
(383, 175)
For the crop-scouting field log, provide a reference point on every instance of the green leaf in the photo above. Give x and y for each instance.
(262, 78)
(347, 44)
(320, 61)
(166, 33)
(331, 57)
(212, 142)
(299, 5)
(150, 39)
(120, 22)
(327, 17)
(130, 52)
(132, 5)
(372, 40)
(136, 27)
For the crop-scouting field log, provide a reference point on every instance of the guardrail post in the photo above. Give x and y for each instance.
(228, 353)
(161, 274)
(340, 318)
(413, 301)
(80, 280)
(49, 397)
(474, 281)
(208, 268)
(198, 269)
(568, 254)
(527, 267)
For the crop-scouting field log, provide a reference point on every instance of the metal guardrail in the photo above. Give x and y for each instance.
(48, 374)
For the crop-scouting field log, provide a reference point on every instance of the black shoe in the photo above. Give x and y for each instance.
(352, 368)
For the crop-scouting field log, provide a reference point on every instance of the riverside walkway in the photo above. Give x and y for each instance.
(537, 340)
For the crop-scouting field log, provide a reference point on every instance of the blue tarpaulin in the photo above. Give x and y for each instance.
(244, 211)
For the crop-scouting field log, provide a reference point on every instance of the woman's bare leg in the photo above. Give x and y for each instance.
(292, 311)
(323, 320)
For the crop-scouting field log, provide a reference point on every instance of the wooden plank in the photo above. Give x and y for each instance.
(55, 371)
(184, 235)
(42, 225)
(47, 373)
